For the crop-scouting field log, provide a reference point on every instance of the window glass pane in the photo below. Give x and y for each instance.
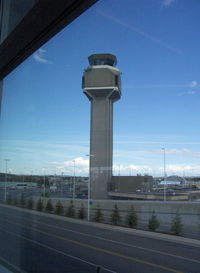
(12, 12)
(45, 137)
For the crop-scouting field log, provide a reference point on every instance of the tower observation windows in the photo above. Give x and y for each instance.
(83, 82)
(116, 80)
(102, 62)
(102, 59)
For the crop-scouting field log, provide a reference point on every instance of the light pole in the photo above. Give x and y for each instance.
(119, 184)
(119, 170)
(5, 189)
(74, 186)
(44, 189)
(89, 191)
(164, 173)
(130, 171)
(88, 201)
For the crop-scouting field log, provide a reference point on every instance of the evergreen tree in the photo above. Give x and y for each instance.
(9, 199)
(132, 219)
(153, 222)
(115, 216)
(98, 217)
(176, 224)
(81, 213)
(46, 195)
(15, 203)
(71, 210)
(30, 203)
(22, 200)
(49, 206)
(59, 208)
(39, 205)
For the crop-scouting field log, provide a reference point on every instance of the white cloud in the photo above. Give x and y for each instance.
(79, 162)
(160, 143)
(177, 151)
(154, 85)
(67, 167)
(58, 158)
(56, 149)
(193, 84)
(82, 168)
(146, 153)
(189, 92)
(171, 169)
(120, 169)
(39, 56)
(181, 152)
(139, 31)
(180, 169)
(167, 3)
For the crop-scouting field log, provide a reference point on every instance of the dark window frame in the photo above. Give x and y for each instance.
(41, 23)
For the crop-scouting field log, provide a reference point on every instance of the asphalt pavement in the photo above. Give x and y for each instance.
(38, 242)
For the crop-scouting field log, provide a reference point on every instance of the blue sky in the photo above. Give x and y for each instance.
(45, 117)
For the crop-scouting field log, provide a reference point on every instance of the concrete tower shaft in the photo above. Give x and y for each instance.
(101, 84)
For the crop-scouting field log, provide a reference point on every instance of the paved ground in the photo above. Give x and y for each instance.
(42, 243)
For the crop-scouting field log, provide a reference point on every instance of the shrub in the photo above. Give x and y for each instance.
(81, 213)
(176, 224)
(46, 195)
(98, 217)
(59, 208)
(15, 202)
(115, 216)
(39, 205)
(22, 200)
(132, 219)
(49, 206)
(9, 199)
(30, 203)
(70, 210)
(153, 222)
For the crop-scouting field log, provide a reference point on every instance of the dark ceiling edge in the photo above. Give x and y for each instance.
(41, 23)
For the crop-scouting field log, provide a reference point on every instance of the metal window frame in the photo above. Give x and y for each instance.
(44, 20)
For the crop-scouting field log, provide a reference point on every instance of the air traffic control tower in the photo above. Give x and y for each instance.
(101, 84)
